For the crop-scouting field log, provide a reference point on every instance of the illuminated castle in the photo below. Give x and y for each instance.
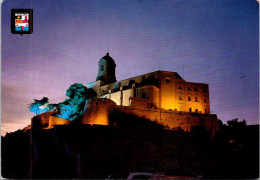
(160, 96)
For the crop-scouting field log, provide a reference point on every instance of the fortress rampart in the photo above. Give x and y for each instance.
(48, 120)
(98, 110)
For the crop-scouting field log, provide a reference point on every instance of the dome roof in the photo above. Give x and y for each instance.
(108, 58)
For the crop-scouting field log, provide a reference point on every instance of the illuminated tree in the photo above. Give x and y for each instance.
(39, 106)
(73, 107)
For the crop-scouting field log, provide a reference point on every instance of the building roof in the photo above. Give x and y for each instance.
(108, 58)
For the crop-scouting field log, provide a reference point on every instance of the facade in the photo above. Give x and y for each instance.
(160, 96)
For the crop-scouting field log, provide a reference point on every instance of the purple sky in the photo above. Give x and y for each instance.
(216, 41)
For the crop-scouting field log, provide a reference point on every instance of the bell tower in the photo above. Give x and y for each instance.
(106, 70)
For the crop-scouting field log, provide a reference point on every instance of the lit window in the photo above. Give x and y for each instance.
(189, 98)
(196, 99)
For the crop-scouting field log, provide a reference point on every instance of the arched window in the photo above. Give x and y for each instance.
(189, 98)
(189, 89)
(167, 79)
(196, 99)
(195, 89)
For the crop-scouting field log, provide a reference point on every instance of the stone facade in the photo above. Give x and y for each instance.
(48, 120)
(98, 110)
(163, 89)
(160, 96)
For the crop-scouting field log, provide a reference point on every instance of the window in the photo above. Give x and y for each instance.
(180, 98)
(179, 87)
(205, 90)
(190, 109)
(196, 99)
(205, 100)
(167, 79)
(102, 67)
(196, 110)
(206, 111)
(189, 98)
(189, 89)
(195, 89)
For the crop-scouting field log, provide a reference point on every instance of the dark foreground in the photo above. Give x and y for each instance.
(99, 151)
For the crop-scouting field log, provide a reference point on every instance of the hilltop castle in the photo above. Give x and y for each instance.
(161, 96)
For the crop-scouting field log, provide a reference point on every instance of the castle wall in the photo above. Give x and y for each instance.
(178, 94)
(116, 97)
(138, 103)
(47, 120)
(149, 92)
(164, 89)
(174, 119)
(41, 120)
(53, 120)
(98, 111)
(126, 97)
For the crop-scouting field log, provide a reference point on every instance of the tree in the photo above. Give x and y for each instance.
(39, 106)
(73, 107)
(236, 123)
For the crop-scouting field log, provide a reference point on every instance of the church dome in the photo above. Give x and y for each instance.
(108, 58)
(106, 70)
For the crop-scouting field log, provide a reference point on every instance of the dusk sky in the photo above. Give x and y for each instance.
(215, 41)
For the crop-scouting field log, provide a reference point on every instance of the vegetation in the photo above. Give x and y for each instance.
(39, 106)
(236, 123)
(72, 108)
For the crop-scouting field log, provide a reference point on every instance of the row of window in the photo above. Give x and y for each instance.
(189, 99)
(195, 89)
(197, 111)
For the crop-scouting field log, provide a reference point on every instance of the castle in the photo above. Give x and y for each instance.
(161, 96)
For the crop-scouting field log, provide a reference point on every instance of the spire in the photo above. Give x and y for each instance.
(108, 44)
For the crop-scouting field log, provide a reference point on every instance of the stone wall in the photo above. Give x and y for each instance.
(174, 119)
(48, 120)
(97, 112)
(53, 120)
(41, 120)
